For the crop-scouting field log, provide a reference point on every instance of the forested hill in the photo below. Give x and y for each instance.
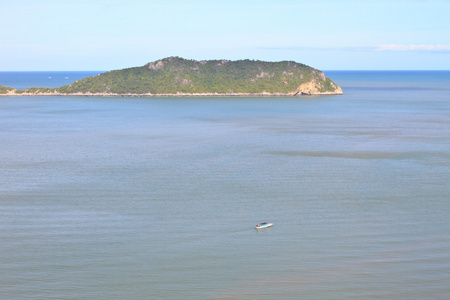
(177, 75)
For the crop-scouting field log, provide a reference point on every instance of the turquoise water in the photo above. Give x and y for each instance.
(127, 198)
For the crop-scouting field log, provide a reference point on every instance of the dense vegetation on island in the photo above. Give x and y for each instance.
(4, 89)
(175, 75)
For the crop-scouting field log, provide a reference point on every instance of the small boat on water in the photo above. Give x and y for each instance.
(263, 225)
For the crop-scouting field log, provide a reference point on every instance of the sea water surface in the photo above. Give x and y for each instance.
(157, 198)
(50, 79)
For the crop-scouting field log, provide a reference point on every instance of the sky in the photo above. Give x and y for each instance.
(82, 35)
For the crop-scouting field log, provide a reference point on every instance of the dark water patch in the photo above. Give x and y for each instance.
(362, 154)
(70, 111)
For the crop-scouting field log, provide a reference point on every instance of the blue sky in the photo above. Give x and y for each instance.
(325, 34)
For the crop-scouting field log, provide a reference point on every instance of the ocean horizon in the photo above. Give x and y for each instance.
(157, 198)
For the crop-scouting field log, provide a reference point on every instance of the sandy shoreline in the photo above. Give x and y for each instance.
(14, 94)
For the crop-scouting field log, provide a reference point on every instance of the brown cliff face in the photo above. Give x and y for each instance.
(314, 88)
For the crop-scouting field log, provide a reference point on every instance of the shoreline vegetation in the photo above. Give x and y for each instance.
(178, 77)
(181, 95)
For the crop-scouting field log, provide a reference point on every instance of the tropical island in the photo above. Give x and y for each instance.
(175, 76)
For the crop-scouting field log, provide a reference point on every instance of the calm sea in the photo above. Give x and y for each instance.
(24, 80)
(147, 198)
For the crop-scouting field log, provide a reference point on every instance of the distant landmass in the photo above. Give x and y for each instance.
(175, 76)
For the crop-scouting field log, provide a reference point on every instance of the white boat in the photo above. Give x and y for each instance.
(263, 225)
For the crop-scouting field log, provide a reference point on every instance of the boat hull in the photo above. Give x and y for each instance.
(263, 225)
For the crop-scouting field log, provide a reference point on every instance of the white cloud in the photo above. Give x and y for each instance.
(395, 47)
